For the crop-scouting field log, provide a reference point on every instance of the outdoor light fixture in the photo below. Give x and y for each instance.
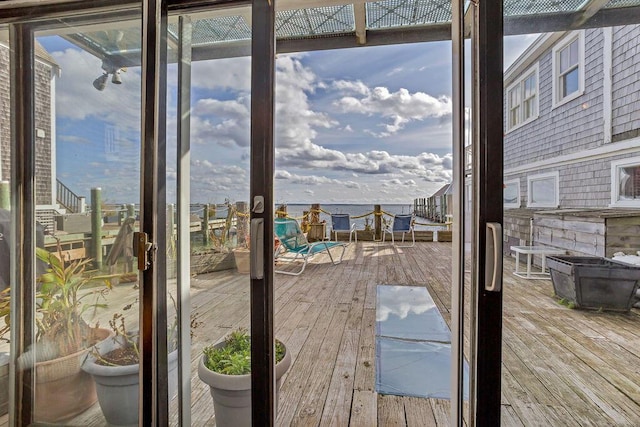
(116, 80)
(108, 67)
(101, 82)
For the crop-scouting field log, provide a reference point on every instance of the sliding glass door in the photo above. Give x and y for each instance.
(477, 248)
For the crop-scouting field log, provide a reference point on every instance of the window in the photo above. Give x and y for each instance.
(511, 194)
(543, 190)
(523, 100)
(625, 182)
(568, 69)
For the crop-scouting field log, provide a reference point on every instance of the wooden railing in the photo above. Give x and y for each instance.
(67, 198)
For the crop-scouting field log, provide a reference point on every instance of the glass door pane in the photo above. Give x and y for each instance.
(566, 341)
(6, 226)
(208, 253)
(87, 112)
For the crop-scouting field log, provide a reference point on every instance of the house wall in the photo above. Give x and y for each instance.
(626, 83)
(42, 122)
(563, 139)
(5, 108)
(571, 127)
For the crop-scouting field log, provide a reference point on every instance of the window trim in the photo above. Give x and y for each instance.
(515, 182)
(542, 176)
(533, 70)
(573, 36)
(615, 187)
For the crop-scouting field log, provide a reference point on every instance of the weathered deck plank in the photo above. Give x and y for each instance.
(560, 366)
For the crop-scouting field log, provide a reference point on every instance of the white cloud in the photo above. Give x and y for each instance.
(77, 99)
(400, 106)
(402, 300)
(313, 180)
(221, 123)
(227, 73)
(348, 86)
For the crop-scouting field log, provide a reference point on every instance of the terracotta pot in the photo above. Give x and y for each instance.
(63, 390)
(242, 257)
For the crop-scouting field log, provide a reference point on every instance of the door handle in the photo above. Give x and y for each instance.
(257, 248)
(143, 248)
(493, 258)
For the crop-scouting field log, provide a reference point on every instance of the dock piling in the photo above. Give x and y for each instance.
(377, 214)
(96, 227)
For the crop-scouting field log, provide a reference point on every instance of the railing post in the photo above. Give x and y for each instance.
(242, 223)
(171, 209)
(122, 213)
(205, 225)
(96, 227)
(377, 210)
(282, 211)
(131, 210)
(317, 230)
(82, 204)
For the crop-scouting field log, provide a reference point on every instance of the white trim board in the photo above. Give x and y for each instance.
(607, 85)
(613, 149)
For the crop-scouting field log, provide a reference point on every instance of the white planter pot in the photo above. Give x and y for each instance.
(232, 393)
(117, 386)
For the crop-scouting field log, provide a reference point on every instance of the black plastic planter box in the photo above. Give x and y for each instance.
(594, 282)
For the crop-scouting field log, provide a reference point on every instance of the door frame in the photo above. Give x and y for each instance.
(484, 25)
(487, 53)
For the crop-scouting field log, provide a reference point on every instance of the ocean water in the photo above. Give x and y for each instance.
(296, 211)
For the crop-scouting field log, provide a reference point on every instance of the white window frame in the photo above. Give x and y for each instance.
(515, 182)
(539, 177)
(519, 85)
(576, 35)
(615, 185)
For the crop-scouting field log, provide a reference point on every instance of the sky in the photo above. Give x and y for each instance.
(363, 125)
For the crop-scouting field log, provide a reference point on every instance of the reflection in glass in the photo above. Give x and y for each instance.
(409, 312)
(511, 193)
(5, 233)
(543, 191)
(629, 179)
(413, 344)
(89, 140)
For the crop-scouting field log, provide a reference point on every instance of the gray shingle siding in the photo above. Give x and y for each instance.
(574, 128)
(42, 121)
(625, 83)
(5, 108)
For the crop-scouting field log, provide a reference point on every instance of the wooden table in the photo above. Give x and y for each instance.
(530, 251)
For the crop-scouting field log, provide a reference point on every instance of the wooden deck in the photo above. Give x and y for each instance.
(561, 367)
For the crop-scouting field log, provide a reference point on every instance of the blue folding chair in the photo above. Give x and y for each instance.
(342, 223)
(401, 224)
(294, 245)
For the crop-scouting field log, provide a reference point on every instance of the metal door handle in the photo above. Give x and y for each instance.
(257, 248)
(493, 258)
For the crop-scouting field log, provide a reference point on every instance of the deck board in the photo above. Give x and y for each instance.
(560, 366)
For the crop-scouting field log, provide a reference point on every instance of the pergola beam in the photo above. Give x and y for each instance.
(590, 16)
(360, 17)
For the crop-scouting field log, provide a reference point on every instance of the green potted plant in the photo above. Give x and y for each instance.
(4, 356)
(226, 368)
(114, 365)
(63, 337)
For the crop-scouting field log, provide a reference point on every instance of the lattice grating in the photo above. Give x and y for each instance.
(396, 13)
(315, 21)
